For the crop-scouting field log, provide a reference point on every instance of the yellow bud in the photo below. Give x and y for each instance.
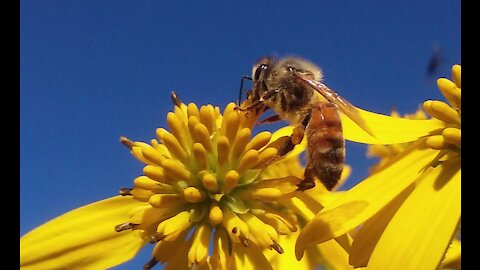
(210, 182)
(216, 214)
(457, 75)
(259, 141)
(152, 155)
(223, 148)
(203, 136)
(441, 111)
(165, 200)
(200, 155)
(174, 147)
(436, 142)
(248, 160)
(145, 183)
(452, 135)
(193, 195)
(192, 110)
(240, 142)
(207, 117)
(230, 181)
(176, 169)
(268, 194)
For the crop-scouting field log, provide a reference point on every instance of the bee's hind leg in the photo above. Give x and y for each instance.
(294, 139)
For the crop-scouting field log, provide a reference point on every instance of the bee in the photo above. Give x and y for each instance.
(293, 88)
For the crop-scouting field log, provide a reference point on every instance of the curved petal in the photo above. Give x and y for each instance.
(250, 257)
(365, 199)
(387, 129)
(433, 209)
(83, 238)
(368, 235)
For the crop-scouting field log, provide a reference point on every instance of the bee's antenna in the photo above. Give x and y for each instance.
(241, 88)
(175, 99)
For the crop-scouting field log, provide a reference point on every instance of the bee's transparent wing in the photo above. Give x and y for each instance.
(342, 104)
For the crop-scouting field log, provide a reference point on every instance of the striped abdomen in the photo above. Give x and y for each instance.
(325, 145)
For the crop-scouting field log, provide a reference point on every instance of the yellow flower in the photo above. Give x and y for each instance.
(205, 200)
(330, 254)
(410, 207)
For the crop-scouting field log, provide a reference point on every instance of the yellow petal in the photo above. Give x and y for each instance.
(83, 238)
(248, 258)
(199, 250)
(433, 211)
(368, 235)
(365, 199)
(457, 75)
(287, 261)
(453, 256)
(387, 129)
(221, 254)
(334, 255)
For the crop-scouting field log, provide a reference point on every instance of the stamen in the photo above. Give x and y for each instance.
(156, 238)
(150, 264)
(125, 226)
(128, 143)
(125, 192)
(245, 242)
(176, 101)
(277, 247)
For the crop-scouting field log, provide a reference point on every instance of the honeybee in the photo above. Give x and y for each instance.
(292, 87)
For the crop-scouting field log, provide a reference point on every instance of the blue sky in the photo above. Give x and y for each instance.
(92, 71)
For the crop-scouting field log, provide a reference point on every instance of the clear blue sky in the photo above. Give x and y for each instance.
(92, 71)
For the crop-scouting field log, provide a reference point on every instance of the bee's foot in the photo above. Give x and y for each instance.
(304, 185)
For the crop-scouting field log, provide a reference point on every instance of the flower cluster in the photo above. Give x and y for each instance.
(210, 198)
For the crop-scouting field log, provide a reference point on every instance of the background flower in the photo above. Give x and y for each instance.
(409, 207)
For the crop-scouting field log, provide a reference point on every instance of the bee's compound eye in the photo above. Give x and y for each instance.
(259, 71)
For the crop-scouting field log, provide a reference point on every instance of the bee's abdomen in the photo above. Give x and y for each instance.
(325, 144)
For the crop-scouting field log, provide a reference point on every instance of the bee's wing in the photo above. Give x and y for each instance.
(342, 104)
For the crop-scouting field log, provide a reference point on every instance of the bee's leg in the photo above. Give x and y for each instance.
(308, 181)
(241, 89)
(294, 139)
(271, 119)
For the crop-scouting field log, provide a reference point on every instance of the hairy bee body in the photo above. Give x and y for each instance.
(287, 86)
